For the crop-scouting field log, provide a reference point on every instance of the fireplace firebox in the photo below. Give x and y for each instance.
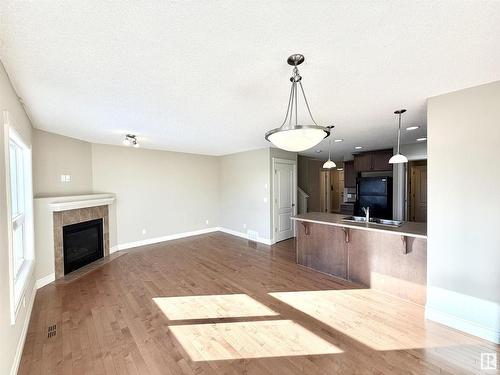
(82, 244)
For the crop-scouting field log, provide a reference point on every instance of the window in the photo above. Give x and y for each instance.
(17, 198)
(20, 215)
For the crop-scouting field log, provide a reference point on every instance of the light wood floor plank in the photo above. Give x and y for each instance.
(217, 304)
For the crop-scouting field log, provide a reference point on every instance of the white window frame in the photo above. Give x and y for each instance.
(18, 279)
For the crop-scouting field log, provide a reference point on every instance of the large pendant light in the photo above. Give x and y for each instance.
(329, 164)
(398, 157)
(292, 136)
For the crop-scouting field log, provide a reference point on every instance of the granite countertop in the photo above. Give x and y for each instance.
(410, 229)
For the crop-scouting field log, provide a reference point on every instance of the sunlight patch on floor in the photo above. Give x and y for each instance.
(212, 307)
(377, 320)
(274, 338)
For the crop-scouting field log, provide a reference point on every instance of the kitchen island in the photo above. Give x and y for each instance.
(390, 259)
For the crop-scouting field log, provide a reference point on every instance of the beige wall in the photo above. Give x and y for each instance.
(159, 191)
(54, 155)
(463, 207)
(10, 334)
(189, 188)
(245, 192)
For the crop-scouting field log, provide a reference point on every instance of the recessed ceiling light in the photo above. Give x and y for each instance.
(338, 140)
(340, 169)
(317, 151)
(421, 139)
(358, 147)
(412, 127)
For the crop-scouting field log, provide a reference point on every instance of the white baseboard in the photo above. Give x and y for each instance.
(45, 280)
(265, 241)
(169, 237)
(472, 315)
(176, 236)
(24, 333)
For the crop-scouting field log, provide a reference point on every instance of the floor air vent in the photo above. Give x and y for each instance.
(51, 331)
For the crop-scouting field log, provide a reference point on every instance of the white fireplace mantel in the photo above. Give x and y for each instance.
(81, 201)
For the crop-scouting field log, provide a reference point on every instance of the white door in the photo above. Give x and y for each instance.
(284, 184)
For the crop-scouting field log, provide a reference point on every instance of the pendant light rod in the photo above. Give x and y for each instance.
(329, 164)
(307, 104)
(292, 107)
(399, 112)
(397, 158)
(329, 148)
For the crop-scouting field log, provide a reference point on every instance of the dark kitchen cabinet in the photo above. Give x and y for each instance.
(380, 160)
(363, 162)
(373, 161)
(349, 174)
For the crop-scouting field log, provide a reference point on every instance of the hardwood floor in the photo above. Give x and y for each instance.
(217, 304)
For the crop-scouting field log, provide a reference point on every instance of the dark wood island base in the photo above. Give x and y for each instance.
(377, 258)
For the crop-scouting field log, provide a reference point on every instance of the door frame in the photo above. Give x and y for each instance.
(294, 193)
(410, 208)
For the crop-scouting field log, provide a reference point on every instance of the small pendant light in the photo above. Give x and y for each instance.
(329, 163)
(398, 157)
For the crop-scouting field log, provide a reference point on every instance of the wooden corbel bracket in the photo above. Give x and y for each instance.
(307, 229)
(346, 234)
(404, 240)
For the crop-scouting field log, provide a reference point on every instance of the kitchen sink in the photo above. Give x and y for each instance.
(374, 220)
(392, 223)
(358, 219)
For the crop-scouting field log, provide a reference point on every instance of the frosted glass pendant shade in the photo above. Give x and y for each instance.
(397, 159)
(298, 138)
(329, 164)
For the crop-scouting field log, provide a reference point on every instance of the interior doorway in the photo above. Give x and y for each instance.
(417, 191)
(284, 198)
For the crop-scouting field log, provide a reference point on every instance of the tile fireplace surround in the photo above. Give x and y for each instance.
(52, 213)
(74, 216)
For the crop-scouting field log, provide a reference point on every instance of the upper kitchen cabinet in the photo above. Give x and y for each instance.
(380, 160)
(349, 174)
(363, 162)
(373, 161)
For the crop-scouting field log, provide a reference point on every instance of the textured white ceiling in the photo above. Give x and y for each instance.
(211, 77)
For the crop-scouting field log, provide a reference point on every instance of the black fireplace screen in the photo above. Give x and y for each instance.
(82, 244)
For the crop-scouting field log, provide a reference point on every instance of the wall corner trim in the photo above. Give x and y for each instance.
(154, 240)
(176, 236)
(468, 314)
(40, 283)
(24, 333)
(265, 241)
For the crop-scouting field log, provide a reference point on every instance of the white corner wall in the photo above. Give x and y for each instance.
(463, 210)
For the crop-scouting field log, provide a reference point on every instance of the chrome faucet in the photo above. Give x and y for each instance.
(366, 210)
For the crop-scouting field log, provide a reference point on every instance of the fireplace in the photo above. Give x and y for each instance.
(82, 244)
